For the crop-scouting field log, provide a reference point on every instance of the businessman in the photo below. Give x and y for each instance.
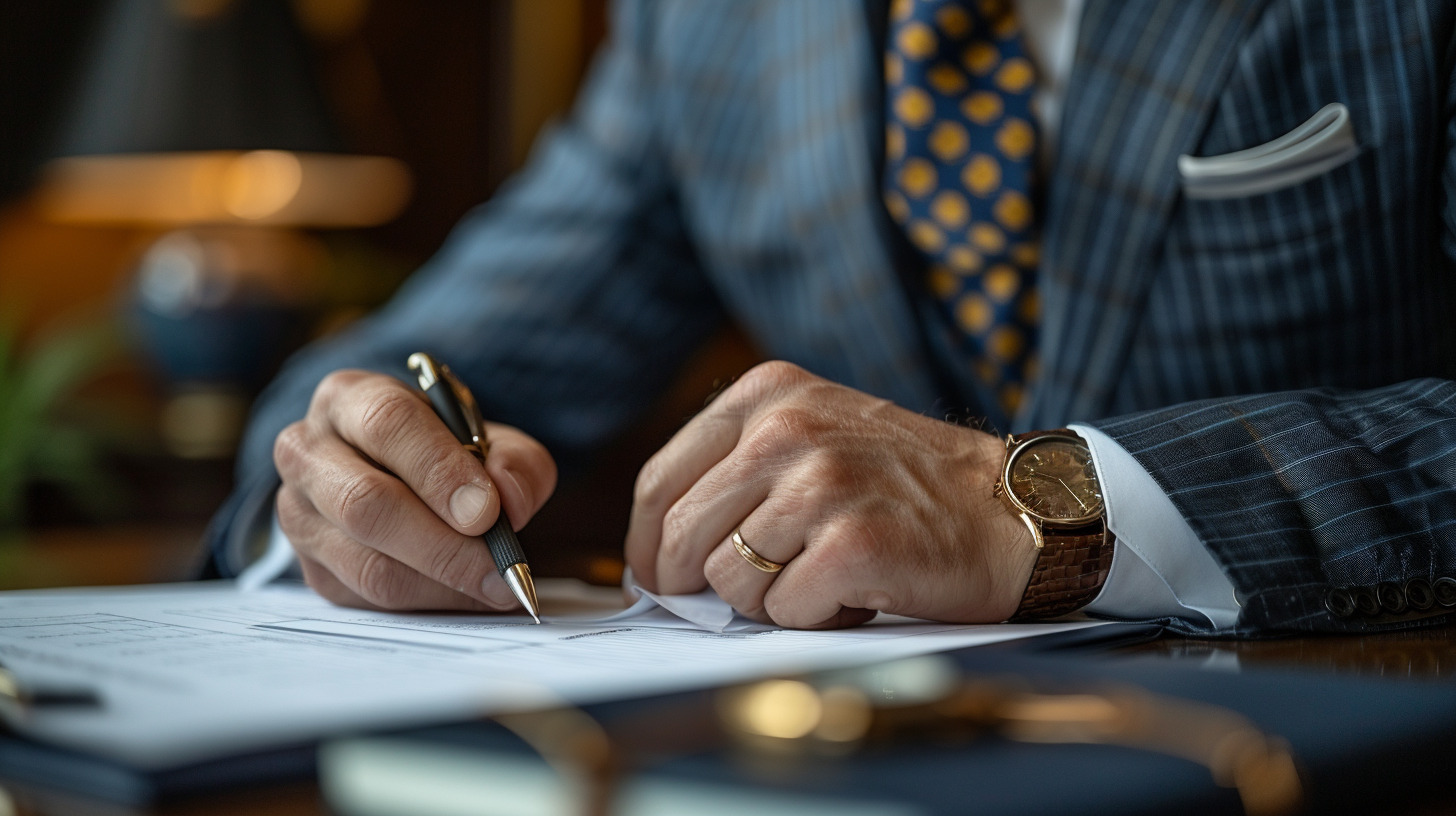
(1198, 255)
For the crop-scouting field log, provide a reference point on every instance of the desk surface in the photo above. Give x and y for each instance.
(1427, 653)
(1423, 654)
(1418, 653)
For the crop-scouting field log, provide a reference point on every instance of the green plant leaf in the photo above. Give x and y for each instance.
(8, 335)
(60, 362)
(38, 442)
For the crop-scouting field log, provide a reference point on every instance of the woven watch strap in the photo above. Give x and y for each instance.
(1069, 572)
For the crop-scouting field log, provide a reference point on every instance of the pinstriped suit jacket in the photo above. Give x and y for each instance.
(723, 161)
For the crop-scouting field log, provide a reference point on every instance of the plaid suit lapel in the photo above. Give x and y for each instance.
(1145, 79)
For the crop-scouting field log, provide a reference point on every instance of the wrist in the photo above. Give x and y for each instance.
(1007, 545)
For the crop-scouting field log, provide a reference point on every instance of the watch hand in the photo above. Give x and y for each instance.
(1074, 494)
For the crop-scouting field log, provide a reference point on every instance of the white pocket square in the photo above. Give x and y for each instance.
(1325, 141)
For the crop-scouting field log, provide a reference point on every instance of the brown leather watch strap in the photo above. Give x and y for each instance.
(1069, 572)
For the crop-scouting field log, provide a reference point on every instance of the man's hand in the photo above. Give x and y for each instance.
(871, 508)
(384, 506)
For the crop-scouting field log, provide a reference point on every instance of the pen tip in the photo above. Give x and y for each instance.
(518, 578)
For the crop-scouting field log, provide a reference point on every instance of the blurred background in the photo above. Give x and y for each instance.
(189, 189)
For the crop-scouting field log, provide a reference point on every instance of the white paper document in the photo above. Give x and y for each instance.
(188, 672)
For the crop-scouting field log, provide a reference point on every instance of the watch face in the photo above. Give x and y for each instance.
(1053, 479)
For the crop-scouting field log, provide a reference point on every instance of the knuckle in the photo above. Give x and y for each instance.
(442, 470)
(385, 415)
(338, 381)
(382, 582)
(774, 374)
(333, 386)
(650, 489)
(361, 506)
(289, 507)
(781, 432)
(290, 448)
(759, 382)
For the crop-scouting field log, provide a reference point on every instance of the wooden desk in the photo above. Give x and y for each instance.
(1419, 653)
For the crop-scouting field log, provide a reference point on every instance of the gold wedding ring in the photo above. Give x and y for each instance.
(758, 561)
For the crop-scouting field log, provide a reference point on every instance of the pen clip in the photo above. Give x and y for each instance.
(430, 372)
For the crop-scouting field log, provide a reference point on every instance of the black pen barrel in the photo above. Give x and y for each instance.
(505, 548)
(449, 411)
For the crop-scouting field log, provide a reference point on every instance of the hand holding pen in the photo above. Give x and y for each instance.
(457, 408)
(386, 508)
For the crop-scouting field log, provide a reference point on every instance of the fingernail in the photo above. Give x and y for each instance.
(495, 590)
(467, 503)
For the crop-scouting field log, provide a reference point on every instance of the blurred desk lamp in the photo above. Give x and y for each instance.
(202, 118)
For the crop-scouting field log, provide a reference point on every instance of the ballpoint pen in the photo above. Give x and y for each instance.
(457, 407)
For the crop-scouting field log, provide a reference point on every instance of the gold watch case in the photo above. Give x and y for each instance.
(1050, 478)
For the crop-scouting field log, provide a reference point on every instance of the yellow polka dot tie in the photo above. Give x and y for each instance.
(960, 145)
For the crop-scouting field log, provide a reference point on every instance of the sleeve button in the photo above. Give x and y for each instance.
(1391, 597)
(1419, 595)
(1445, 591)
(1339, 603)
(1365, 601)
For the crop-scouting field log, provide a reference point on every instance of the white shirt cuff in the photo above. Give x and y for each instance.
(276, 561)
(1159, 567)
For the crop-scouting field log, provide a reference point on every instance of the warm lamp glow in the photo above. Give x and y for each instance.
(261, 183)
(269, 187)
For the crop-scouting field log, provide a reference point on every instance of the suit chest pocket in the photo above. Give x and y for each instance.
(1339, 210)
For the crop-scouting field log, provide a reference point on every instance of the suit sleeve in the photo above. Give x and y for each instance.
(1328, 510)
(566, 303)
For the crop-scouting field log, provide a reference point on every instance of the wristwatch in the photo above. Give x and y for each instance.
(1048, 481)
